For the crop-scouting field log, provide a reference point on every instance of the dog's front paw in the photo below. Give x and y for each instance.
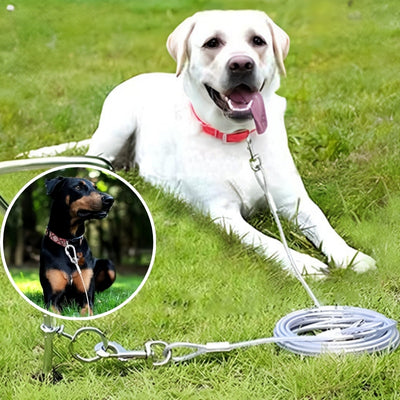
(307, 265)
(362, 263)
(355, 260)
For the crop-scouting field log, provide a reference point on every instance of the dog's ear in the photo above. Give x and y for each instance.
(177, 42)
(53, 186)
(281, 43)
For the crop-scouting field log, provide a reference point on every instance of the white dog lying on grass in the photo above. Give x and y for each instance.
(187, 133)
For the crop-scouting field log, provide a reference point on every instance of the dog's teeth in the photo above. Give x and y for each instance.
(233, 108)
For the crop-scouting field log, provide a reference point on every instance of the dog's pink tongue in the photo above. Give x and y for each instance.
(241, 97)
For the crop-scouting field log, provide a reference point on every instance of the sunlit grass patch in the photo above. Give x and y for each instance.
(123, 288)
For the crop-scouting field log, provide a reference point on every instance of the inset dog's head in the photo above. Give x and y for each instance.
(228, 58)
(77, 200)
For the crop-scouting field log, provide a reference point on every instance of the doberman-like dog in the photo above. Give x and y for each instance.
(75, 200)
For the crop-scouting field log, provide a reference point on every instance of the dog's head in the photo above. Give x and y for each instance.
(228, 59)
(79, 198)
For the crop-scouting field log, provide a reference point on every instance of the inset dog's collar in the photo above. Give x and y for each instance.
(62, 242)
(233, 137)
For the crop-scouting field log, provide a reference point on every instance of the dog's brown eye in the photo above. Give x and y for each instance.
(77, 188)
(258, 41)
(212, 43)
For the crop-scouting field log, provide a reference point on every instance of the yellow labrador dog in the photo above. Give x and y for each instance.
(187, 132)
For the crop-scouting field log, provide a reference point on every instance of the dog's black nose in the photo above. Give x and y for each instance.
(107, 201)
(241, 64)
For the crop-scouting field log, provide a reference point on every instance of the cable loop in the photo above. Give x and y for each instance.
(336, 329)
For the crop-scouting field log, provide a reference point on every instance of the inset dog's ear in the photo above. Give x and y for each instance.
(281, 43)
(53, 186)
(177, 42)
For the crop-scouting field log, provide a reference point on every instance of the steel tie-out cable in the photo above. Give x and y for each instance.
(341, 329)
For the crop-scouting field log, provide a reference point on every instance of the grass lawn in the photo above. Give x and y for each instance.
(59, 60)
(124, 287)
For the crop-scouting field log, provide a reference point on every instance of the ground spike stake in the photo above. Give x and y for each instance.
(49, 328)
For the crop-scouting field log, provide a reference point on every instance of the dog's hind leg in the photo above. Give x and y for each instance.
(104, 274)
(114, 138)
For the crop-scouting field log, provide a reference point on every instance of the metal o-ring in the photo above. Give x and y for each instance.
(167, 353)
(75, 337)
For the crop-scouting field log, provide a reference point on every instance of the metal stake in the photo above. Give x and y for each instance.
(49, 328)
(48, 344)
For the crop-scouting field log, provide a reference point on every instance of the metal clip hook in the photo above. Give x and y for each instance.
(73, 258)
(255, 161)
(115, 350)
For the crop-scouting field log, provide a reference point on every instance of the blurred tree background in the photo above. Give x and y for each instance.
(125, 236)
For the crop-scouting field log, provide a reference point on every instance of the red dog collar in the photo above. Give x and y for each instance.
(233, 137)
(62, 242)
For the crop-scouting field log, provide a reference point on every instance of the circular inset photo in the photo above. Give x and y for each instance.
(78, 242)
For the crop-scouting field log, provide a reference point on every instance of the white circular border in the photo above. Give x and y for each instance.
(107, 172)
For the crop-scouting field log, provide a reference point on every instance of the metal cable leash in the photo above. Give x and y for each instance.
(309, 332)
(261, 177)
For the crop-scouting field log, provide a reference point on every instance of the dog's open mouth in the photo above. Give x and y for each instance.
(241, 103)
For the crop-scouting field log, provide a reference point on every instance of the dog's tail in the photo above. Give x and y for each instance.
(56, 150)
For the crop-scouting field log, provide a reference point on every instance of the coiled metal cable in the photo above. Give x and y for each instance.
(336, 329)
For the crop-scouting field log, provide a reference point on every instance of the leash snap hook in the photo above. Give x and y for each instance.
(115, 350)
(255, 160)
(73, 258)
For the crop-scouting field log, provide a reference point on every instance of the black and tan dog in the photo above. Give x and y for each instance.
(75, 200)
